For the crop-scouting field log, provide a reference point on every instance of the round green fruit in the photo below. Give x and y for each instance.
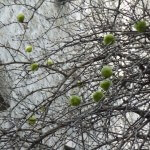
(109, 39)
(75, 100)
(49, 62)
(32, 120)
(140, 26)
(20, 17)
(97, 96)
(34, 67)
(105, 84)
(106, 71)
(29, 48)
(42, 109)
(79, 83)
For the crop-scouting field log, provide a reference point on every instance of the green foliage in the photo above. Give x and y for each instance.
(34, 67)
(31, 120)
(20, 17)
(75, 100)
(29, 48)
(140, 26)
(97, 96)
(105, 84)
(106, 71)
(109, 39)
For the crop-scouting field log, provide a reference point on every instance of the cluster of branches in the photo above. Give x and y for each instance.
(71, 34)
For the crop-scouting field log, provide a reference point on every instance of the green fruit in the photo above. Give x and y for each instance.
(29, 48)
(140, 26)
(34, 67)
(32, 120)
(109, 39)
(97, 96)
(20, 17)
(75, 100)
(50, 62)
(105, 84)
(106, 71)
(79, 83)
(42, 109)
